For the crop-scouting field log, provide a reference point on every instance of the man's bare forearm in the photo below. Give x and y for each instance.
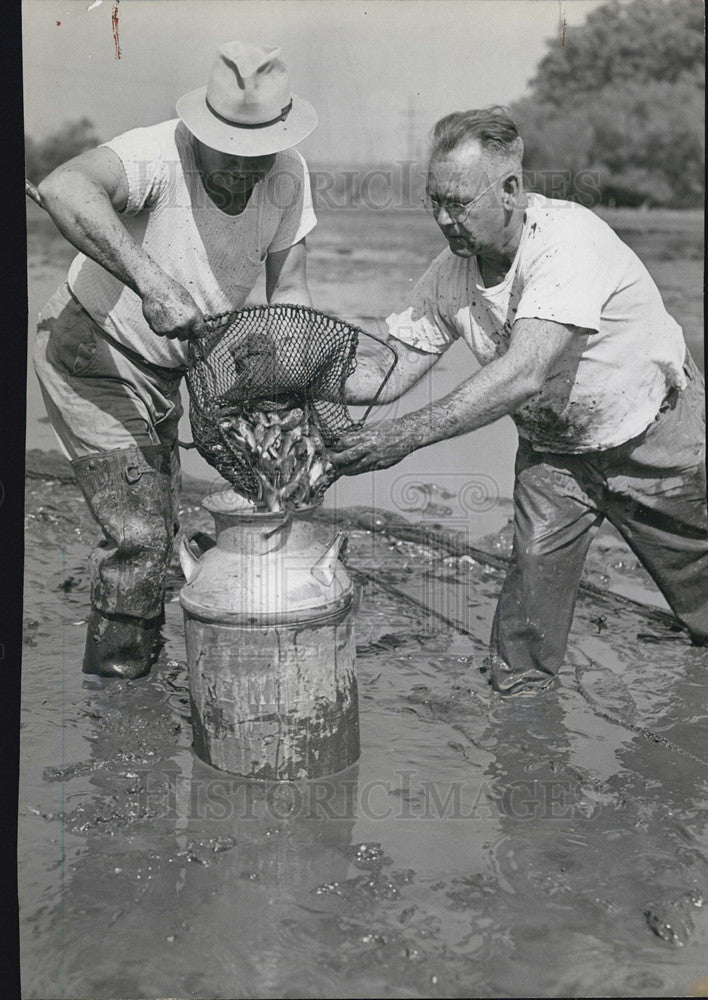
(491, 393)
(374, 364)
(363, 383)
(498, 389)
(83, 213)
(482, 399)
(286, 276)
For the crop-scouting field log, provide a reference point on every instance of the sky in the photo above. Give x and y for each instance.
(379, 73)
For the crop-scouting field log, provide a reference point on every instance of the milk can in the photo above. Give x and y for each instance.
(270, 644)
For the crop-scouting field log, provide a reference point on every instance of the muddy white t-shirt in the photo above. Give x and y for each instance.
(571, 268)
(215, 256)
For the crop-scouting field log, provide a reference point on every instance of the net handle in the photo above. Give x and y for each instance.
(386, 377)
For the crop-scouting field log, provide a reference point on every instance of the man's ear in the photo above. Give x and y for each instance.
(510, 192)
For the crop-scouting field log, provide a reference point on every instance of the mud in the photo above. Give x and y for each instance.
(541, 846)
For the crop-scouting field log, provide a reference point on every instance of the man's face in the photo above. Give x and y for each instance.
(459, 177)
(235, 173)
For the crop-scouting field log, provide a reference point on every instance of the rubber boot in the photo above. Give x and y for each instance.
(121, 646)
(130, 494)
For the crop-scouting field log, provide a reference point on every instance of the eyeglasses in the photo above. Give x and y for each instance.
(455, 209)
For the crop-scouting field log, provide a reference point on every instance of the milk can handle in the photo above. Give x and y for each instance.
(324, 569)
(190, 563)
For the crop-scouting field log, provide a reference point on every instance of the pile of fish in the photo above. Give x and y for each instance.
(285, 449)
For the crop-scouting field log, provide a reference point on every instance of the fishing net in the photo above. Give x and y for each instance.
(286, 355)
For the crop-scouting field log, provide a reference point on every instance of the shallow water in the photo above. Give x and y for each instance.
(547, 846)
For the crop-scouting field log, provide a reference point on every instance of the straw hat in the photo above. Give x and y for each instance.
(246, 107)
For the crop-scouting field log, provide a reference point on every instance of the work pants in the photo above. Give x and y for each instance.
(653, 490)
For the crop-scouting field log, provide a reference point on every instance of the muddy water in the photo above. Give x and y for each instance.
(549, 846)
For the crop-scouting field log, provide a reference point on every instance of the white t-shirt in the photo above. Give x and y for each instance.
(215, 256)
(571, 268)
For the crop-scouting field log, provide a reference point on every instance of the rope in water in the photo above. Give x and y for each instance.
(369, 576)
(439, 538)
(644, 731)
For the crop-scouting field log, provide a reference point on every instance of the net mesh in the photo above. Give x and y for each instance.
(284, 354)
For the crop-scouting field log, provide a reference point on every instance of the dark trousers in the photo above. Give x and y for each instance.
(652, 489)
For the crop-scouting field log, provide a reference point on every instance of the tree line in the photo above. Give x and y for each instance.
(620, 106)
(42, 156)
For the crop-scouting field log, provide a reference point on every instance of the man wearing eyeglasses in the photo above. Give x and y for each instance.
(576, 345)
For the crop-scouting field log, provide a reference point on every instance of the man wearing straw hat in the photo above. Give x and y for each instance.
(173, 223)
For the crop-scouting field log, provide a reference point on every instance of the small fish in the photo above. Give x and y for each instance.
(247, 433)
(271, 440)
(292, 419)
(290, 488)
(309, 450)
(290, 439)
(315, 471)
(285, 448)
(287, 467)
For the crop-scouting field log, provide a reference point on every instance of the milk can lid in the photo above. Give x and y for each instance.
(227, 501)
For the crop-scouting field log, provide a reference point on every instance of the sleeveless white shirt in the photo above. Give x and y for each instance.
(215, 256)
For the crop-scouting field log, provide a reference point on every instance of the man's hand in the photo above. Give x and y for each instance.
(171, 311)
(370, 448)
(83, 197)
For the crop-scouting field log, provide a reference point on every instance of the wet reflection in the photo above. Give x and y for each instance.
(601, 850)
(178, 860)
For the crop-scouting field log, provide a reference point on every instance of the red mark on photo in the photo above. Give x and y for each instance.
(564, 24)
(114, 22)
(58, 24)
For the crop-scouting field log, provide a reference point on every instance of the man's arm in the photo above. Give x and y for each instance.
(494, 391)
(372, 364)
(286, 276)
(83, 198)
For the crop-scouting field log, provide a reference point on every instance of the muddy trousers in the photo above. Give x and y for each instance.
(652, 489)
(115, 418)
